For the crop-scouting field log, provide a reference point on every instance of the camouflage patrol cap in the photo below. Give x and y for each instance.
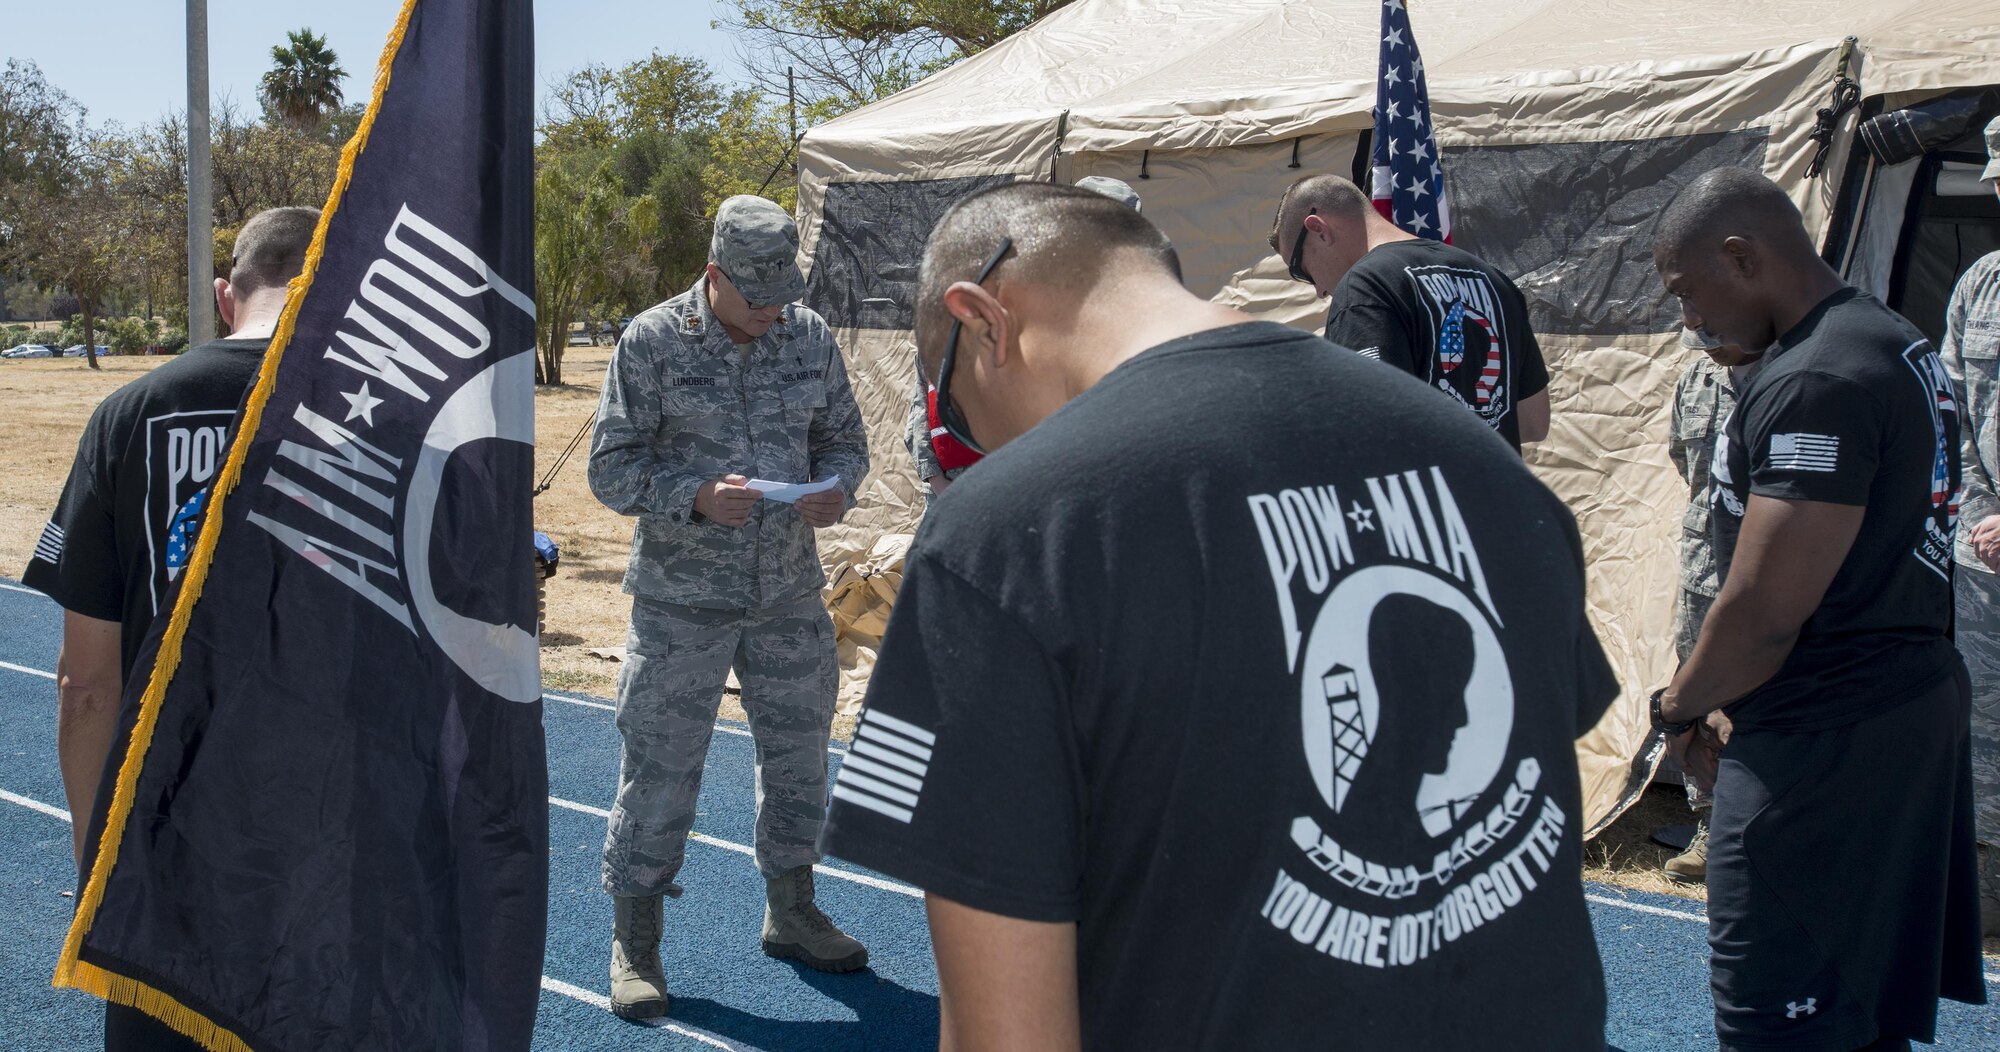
(757, 246)
(1116, 189)
(1992, 151)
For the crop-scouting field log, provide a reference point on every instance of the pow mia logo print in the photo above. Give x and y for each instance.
(1429, 820)
(1469, 359)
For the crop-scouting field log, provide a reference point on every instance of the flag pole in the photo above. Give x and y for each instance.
(201, 208)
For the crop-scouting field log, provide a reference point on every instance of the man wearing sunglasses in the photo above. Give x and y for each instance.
(1231, 702)
(727, 382)
(1427, 308)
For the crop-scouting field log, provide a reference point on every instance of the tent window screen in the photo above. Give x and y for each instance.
(871, 239)
(1573, 222)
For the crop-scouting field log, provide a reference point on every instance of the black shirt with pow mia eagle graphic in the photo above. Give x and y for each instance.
(1853, 406)
(1446, 317)
(125, 526)
(1278, 710)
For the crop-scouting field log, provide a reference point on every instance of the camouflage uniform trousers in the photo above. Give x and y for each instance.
(1977, 595)
(677, 661)
(1689, 613)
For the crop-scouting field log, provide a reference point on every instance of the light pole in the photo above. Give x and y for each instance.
(201, 203)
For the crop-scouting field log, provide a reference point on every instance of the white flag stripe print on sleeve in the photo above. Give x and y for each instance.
(49, 548)
(884, 771)
(1805, 452)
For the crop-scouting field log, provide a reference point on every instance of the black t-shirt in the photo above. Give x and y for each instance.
(126, 524)
(1279, 710)
(1853, 407)
(1442, 315)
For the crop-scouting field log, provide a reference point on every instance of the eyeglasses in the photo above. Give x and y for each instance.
(947, 410)
(1296, 266)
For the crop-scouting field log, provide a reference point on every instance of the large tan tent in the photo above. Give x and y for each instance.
(1565, 126)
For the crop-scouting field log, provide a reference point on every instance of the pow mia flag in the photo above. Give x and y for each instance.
(329, 827)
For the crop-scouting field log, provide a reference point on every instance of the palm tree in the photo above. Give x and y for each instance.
(303, 84)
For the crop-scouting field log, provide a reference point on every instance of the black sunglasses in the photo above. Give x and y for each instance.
(1296, 266)
(947, 410)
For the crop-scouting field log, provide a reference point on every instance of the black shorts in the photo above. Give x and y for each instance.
(1842, 887)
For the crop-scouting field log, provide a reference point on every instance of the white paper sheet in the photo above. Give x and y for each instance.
(791, 491)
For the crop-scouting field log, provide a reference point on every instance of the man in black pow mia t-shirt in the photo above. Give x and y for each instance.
(1211, 716)
(125, 526)
(1434, 311)
(1841, 881)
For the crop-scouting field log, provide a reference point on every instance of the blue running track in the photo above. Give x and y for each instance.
(726, 993)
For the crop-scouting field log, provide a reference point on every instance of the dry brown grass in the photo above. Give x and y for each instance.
(1625, 853)
(45, 402)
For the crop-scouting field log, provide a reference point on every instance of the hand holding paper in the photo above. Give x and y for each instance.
(788, 492)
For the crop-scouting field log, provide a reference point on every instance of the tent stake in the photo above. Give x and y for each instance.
(1145, 159)
(1295, 151)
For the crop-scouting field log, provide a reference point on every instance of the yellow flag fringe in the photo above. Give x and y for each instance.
(71, 971)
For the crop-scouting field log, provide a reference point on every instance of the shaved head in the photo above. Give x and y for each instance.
(1064, 239)
(1734, 251)
(1326, 195)
(270, 250)
(1732, 202)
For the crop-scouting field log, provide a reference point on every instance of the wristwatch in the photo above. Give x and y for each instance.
(1671, 730)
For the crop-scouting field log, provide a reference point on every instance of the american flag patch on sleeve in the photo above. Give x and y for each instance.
(884, 771)
(1805, 452)
(50, 547)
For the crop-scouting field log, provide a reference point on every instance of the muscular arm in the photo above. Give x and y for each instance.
(1534, 416)
(88, 686)
(1003, 984)
(1786, 556)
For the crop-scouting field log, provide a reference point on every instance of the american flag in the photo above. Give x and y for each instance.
(1409, 179)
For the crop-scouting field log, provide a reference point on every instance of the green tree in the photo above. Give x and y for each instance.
(74, 239)
(303, 84)
(590, 239)
(666, 93)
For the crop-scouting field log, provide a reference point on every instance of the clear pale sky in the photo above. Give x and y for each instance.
(125, 60)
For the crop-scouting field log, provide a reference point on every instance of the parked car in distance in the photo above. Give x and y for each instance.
(29, 350)
(579, 338)
(76, 350)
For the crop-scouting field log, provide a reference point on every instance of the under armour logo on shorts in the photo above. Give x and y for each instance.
(1793, 1009)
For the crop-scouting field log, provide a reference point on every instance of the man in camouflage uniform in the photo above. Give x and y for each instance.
(919, 430)
(1703, 400)
(1971, 354)
(728, 382)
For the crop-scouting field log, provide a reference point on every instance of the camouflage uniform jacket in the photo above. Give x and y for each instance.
(1703, 400)
(683, 405)
(1971, 355)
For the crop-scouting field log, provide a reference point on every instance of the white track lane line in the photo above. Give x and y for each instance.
(575, 993)
(599, 1001)
(746, 850)
(33, 804)
(1640, 907)
(726, 728)
(11, 667)
(858, 878)
(9, 587)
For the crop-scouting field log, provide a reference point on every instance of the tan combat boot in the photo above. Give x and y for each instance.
(638, 985)
(794, 927)
(1691, 866)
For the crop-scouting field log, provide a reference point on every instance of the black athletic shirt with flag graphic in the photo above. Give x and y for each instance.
(1853, 407)
(1446, 317)
(125, 526)
(1279, 710)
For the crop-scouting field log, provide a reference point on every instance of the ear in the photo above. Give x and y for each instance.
(987, 325)
(1740, 255)
(1317, 226)
(225, 302)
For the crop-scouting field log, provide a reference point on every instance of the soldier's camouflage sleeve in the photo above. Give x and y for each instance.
(917, 432)
(625, 472)
(1976, 500)
(838, 439)
(1677, 448)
